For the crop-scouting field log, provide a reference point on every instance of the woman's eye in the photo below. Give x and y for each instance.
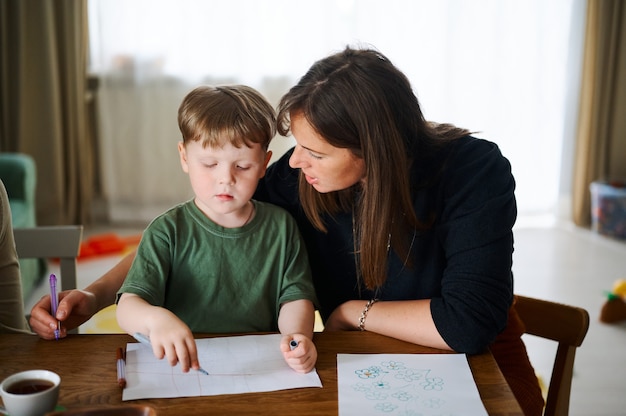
(315, 156)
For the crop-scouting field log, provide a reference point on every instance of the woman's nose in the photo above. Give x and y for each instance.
(296, 160)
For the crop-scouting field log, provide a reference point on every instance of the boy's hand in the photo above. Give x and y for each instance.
(301, 358)
(173, 339)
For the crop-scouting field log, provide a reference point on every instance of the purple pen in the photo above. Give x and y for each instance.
(54, 302)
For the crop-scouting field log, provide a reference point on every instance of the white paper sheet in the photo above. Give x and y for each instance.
(239, 364)
(407, 384)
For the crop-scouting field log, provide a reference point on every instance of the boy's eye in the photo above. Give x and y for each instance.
(240, 167)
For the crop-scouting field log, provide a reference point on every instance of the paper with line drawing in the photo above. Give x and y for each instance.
(237, 364)
(407, 384)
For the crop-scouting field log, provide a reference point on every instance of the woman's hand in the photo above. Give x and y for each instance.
(75, 308)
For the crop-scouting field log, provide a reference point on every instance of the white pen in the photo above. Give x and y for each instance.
(146, 341)
(121, 368)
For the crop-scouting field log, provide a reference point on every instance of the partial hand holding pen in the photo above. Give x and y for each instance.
(299, 352)
(54, 302)
(146, 341)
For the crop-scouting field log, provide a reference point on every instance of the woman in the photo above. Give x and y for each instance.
(12, 318)
(408, 223)
(427, 209)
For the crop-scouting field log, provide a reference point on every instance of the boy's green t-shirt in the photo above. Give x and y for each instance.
(220, 279)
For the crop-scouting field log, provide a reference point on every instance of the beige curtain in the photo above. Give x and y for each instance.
(43, 102)
(601, 141)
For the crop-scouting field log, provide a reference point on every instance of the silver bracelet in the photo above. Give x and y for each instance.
(368, 305)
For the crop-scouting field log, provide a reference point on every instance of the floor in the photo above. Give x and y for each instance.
(577, 266)
(552, 260)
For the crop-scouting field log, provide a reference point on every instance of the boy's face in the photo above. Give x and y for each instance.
(223, 179)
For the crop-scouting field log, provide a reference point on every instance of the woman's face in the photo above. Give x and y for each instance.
(326, 168)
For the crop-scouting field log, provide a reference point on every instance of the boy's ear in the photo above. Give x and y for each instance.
(268, 156)
(182, 152)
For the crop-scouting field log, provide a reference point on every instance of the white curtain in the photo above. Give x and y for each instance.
(508, 69)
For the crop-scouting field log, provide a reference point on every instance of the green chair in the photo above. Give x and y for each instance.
(19, 174)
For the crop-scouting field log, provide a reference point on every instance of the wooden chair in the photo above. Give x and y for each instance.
(62, 242)
(567, 325)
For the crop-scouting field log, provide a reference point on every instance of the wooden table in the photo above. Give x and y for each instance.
(86, 364)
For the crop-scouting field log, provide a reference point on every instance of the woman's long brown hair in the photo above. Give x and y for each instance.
(358, 100)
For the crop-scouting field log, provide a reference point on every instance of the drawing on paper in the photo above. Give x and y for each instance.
(406, 385)
(393, 383)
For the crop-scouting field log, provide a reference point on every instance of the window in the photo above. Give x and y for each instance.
(506, 69)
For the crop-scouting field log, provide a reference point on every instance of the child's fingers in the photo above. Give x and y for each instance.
(302, 364)
(188, 356)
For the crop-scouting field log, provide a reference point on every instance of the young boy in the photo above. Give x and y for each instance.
(221, 262)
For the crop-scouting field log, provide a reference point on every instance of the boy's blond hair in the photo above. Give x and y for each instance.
(236, 114)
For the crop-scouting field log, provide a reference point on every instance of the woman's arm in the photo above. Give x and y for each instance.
(11, 303)
(78, 306)
(408, 320)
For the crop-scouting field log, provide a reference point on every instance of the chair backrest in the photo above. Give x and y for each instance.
(19, 174)
(62, 242)
(567, 325)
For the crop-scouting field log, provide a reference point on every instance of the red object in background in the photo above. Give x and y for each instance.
(108, 243)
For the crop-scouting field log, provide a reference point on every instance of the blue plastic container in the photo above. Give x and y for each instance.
(608, 208)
